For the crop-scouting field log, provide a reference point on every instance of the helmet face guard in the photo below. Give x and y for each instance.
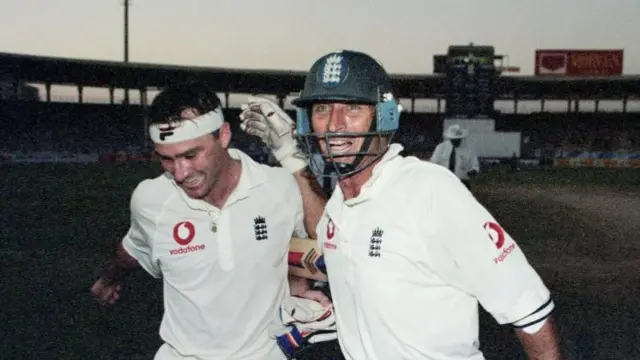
(383, 127)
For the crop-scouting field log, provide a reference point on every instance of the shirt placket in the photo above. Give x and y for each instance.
(220, 225)
(346, 245)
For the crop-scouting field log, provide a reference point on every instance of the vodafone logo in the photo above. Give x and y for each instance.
(184, 232)
(331, 229)
(496, 234)
(330, 245)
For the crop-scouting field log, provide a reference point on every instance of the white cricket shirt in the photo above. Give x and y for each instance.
(409, 259)
(222, 288)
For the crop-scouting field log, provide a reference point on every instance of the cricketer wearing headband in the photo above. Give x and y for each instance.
(216, 228)
(410, 253)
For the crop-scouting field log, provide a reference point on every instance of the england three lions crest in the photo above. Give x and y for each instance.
(334, 70)
(260, 228)
(375, 243)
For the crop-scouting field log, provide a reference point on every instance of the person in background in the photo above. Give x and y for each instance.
(455, 154)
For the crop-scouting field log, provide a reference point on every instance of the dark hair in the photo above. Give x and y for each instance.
(169, 104)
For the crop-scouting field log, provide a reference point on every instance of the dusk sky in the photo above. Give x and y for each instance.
(290, 34)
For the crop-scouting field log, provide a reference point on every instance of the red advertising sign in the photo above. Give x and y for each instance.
(579, 62)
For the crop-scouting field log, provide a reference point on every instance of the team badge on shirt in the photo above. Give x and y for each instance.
(375, 243)
(260, 228)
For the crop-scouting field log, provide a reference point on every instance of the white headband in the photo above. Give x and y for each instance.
(183, 130)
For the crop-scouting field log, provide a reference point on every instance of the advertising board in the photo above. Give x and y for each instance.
(565, 62)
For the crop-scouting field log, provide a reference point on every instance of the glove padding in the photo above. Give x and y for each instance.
(305, 322)
(263, 118)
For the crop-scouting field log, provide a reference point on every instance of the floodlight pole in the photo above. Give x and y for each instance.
(126, 44)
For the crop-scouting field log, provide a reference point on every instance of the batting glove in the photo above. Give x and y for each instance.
(263, 118)
(305, 322)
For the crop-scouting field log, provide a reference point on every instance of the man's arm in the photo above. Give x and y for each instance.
(132, 252)
(265, 119)
(301, 287)
(475, 163)
(474, 166)
(485, 261)
(313, 200)
(542, 344)
(119, 266)
(107, 288)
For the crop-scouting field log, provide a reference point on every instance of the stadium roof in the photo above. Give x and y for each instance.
(92, 73)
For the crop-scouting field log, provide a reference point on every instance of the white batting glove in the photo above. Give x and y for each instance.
(317, 323)
(304, 322)
(306, 313)
(263, 118)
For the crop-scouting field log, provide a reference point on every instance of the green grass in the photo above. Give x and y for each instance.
(60, 223)
(59, 226)
(597, 310)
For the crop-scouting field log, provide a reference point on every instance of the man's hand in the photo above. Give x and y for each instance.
(263, 118)
(106, 292)
(107, 288)
(300, 287)
(316, 295)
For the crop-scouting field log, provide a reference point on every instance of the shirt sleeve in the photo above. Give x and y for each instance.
(483, 259)
(138, 241)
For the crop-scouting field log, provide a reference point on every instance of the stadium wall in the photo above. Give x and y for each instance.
(604, 160)
(584, 159)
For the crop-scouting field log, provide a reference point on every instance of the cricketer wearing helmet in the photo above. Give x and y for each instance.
(409, 251)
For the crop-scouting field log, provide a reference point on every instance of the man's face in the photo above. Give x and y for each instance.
(195, 164)
(329, 118)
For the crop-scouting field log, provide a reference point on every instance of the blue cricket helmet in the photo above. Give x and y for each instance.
(351, 77)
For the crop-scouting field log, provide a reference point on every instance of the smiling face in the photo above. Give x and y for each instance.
(334, 118)
(196, 165)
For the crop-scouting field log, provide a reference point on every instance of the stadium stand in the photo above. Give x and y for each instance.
(101, 128)
(34, 127)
